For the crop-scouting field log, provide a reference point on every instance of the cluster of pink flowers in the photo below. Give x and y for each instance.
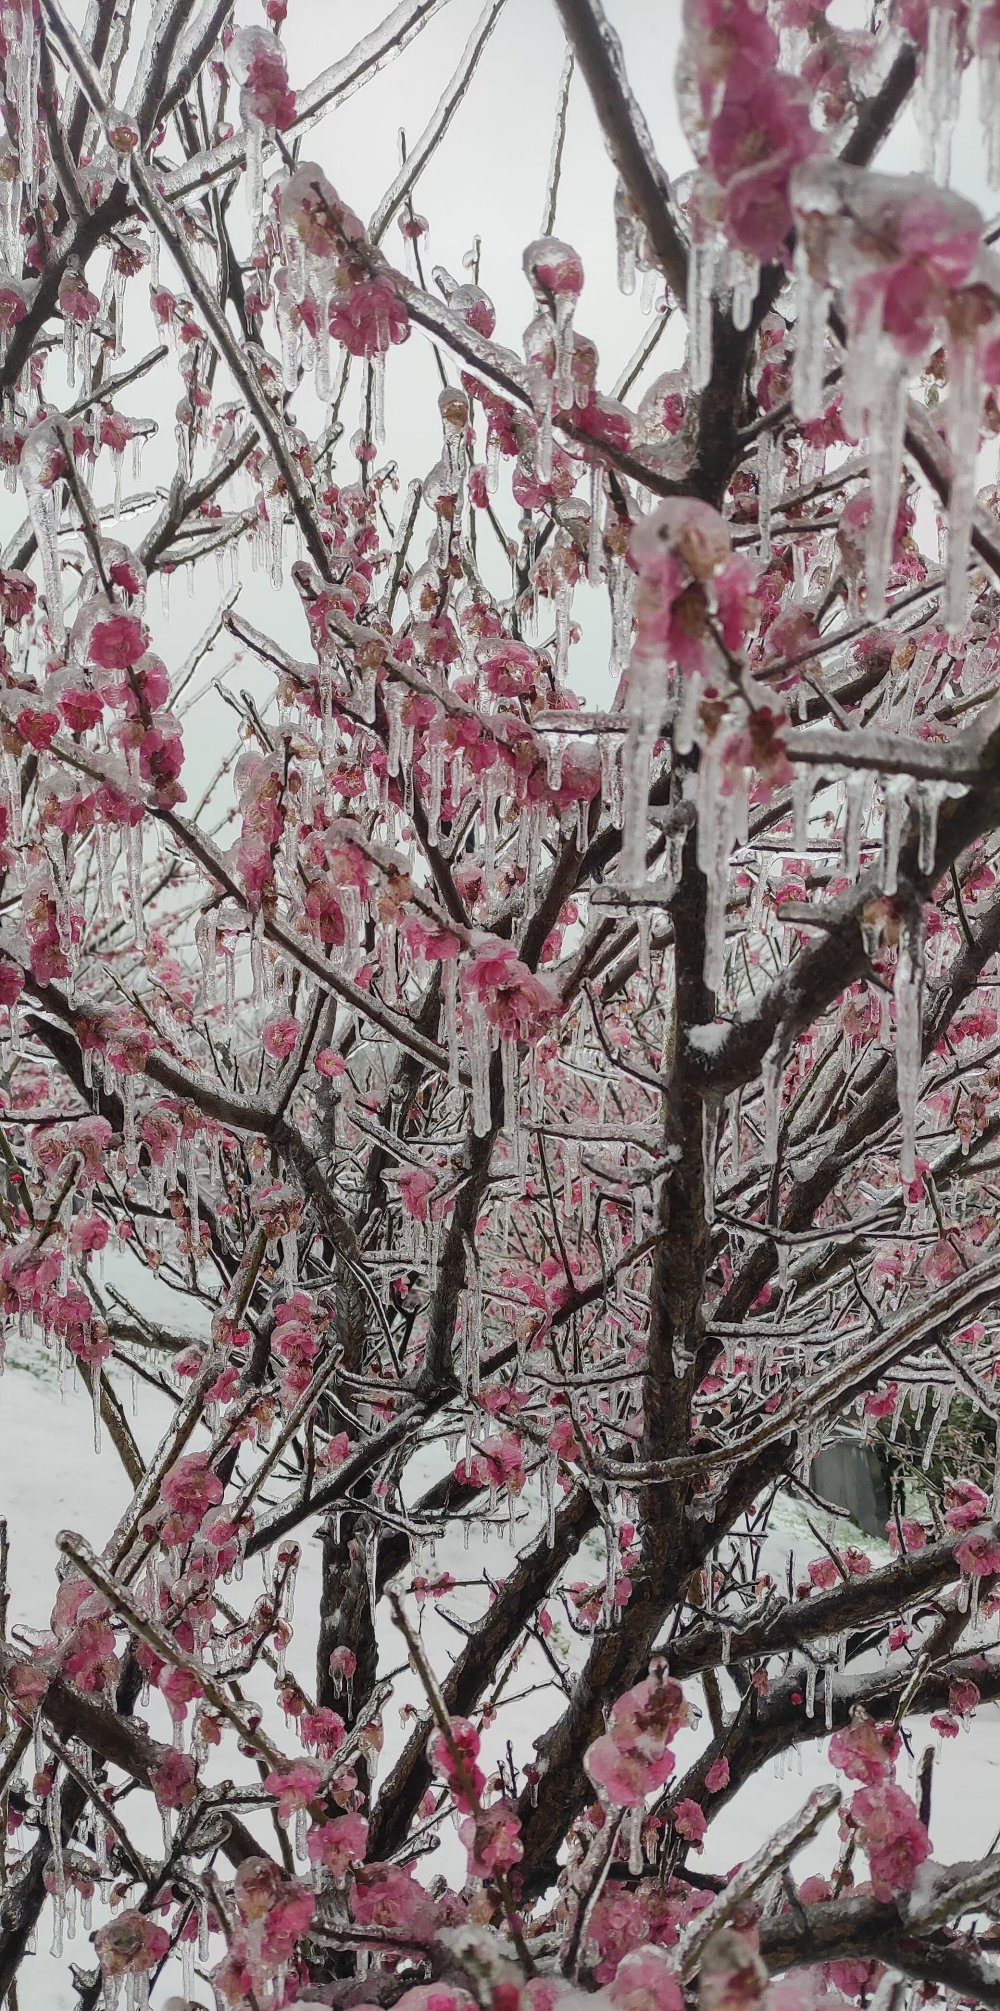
(295, 1342)
(689, 578)
(881, 1815)
(188, 1491)
(747, 121)
(273, 1913)
(634, 1755)
(363, 311)
(966, 1509)
(496, 1462)
(513, 1000)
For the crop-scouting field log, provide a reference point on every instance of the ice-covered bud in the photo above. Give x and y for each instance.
(43, 458)
(123, 133)
(257, 62)
(15, 299)
(732, 1976)
(256, 1887)
(553, 268)
(131, 1945)
(475, 307)
(311, 210)
(689, 1822)
(17, 598)
(686, 529)
(76, 301)
(645, 1980)
(965, 1504)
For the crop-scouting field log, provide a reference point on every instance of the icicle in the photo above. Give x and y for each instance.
(886, 425)
(828, 1695)
(595, 534)
(644, 700)
(744, 278)
(719, 818)
(895, 792)
(625, 240)
(768, 480)
(772, 1076)
(378, 397)
(254, 136)
(394, 695)
(58, 1872)
(802, 792)
(95, 1394)
(449, 987)
(989, 103)
(812, 1674)
(191, 1175)
(939, 1418)
(856, 791)
(701, 277)
(811, 308)
(941, 89)
(908, 990)
(480, 1055)
(22, 72)
(636, 1855)
(133, 859)
(40, 468)
(929, 797)
(563, 386)
(963, 412)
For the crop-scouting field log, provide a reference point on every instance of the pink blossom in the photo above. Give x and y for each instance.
(514, 1001)
(645, 1980)
(415, 1187)
(324, 1729)
(118, 643)
(865, 1751)
(689, 1821)
(88, 1233)
(188, 1491)
(173, 1780)
(717, 1776)
(493, 1839)
(343, 1666)
(388, 1895)
(634, 1755)
(280, 1036)
(891, 1832)
(369, 318)
(978, 1556)
(11, 984)
(909, 1536)
(295, 1786)
(339, 1845)
(455, 1762)
(965, 1504)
